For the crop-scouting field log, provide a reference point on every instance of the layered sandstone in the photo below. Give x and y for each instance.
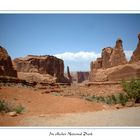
(136, 54)
(118, 56)
(116, 73)
(106, 54)
(113, 66)
(6, 67)
(110, 57)
(42, 65)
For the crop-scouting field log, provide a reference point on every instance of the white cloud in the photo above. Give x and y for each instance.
(78, 56)
(78, 61)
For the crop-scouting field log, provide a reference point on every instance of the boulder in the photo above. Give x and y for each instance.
(6, 66)
(12, 114)
(136, 54)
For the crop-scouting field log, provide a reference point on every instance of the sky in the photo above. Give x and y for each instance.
(78, 39)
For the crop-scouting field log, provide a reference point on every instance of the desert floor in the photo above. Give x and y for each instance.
(67, 109)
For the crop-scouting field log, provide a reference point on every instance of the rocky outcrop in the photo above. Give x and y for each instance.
(110, 57)
(97, 64)
(117, 73)
(6, 67)
(136, 54)
(69, 75)
(82, 76)
(118, 56)
(106, 54)
(43, 65)
(113, 66)
(36, 77)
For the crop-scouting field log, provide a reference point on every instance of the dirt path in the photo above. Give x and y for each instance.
(122, 117)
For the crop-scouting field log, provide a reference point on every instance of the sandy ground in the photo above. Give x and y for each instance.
(52, 110)
(122, 117)
(37, 104)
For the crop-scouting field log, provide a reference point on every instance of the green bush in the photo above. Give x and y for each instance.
(56, 94)
(5, 107)
(132, 89)
(122, 99)
(19, 109)
(108, 100)
(89, 98)
(114, 99)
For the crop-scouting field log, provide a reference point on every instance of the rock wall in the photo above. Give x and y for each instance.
(113, 66)
(110, 57)
(6, 66)
(136, 54)
(43, 65)
(106, 54)
(118, 56)
(117, 73)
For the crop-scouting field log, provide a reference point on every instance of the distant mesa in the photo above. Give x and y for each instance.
(6, 66)
(79, 76)
(113, 65)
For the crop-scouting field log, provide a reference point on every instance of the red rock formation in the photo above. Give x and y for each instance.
(115, 66)
(117, 73)
(118, 56)
(97, 64)
(110, 57)
(106, 54)
(82, 76)
(6, 67)
(136, 54)
(69, 75)
(43, 65)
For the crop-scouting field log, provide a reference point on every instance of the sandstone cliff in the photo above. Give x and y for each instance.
(136, 54)
(42, 65)
(110, 57)
(6, 67)
(113, 66)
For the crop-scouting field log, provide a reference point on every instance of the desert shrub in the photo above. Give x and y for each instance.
(101, 98)
(56, 94)
(114, 99)
(108, 100)
(5, 107)
(89, 98)
(19, 109)
(122, 99)
(132, 89)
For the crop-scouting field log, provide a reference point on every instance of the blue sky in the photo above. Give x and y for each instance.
(76, 38)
